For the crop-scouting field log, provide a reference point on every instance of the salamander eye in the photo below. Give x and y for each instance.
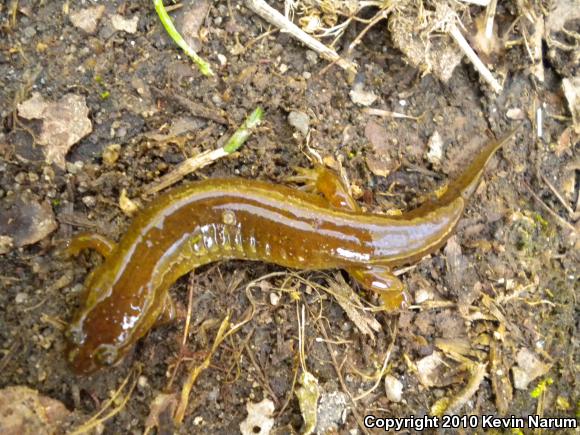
(75, 335)
(106, 354)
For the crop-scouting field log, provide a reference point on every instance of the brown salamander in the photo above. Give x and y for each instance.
(220, 219)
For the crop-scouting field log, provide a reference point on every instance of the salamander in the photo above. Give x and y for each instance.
(220, 219)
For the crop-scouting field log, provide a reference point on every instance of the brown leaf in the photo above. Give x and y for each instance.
(65, 122)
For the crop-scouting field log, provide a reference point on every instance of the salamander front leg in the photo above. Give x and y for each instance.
(328, 183)
(82, 241)
(382, 281)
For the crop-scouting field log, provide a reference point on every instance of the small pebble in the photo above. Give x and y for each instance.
(89, 201)
(393, 388)
(312, 57)
(21, 298)
(300, 121)
(75, 167)
(142, 382)
(274, 298)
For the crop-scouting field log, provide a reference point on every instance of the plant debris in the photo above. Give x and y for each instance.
(87, 19)
(24, 410)
(122, 24)
(259, 420)
(529, 367)
(64, 123)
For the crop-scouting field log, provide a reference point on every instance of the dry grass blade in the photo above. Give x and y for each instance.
(309, 392)
(203, 159)
(96, 419)
(348, 300)
(559, 220)
(383, 370)
(225, 330)
(478, 372)
(193, 375)
(474, 58)
(275, 18)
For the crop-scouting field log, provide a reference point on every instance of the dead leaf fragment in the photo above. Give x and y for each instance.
(393, 388)
(26, 221)
(6, 244)
(350, 303)
(259, 419)
(380, 167)
(126, 205)
(529, 368)
(160, 412)
(190, 22)
(500, 380)
(24, 411)
(87, 19)
(308, 394)
(439, 56)
(428, 369)
(361, 97)
(571, 89)
(122, 24)
(435, 146)
(64, 123)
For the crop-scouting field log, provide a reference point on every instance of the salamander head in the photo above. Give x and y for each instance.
(104, 329)
(88, 350)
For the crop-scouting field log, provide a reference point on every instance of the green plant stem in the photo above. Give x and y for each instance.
(203, 66)
(245, 130)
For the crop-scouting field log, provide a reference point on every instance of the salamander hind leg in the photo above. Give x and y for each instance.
(382, 281)
(82, 241)
(327, 183)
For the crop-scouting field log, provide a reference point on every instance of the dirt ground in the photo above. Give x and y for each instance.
(495, 305)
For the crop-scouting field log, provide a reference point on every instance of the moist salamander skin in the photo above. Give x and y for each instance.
(221, 219)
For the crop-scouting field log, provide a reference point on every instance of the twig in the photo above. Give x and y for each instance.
(275, 18)
(382, 14)
(203, 66)
(539, 122)
(389, 114)
(196, 109)
(203, 159)
(193, 375)
(557, 195)
(489, 17)
(474, 58)
(96, 419)
(261, 376)
(477, 2)
(555, 215)
(355, 412)
(382, 372)
(185, 329)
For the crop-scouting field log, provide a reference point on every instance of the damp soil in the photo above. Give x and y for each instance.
(510, 260)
